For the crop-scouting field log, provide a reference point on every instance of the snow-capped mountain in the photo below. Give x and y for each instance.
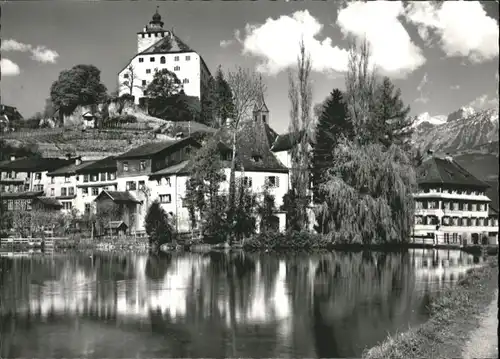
(426, 119)
(462, 130)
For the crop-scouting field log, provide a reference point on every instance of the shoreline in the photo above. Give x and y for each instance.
(455, 315)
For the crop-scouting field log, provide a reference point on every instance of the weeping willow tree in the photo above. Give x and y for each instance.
(368, 189)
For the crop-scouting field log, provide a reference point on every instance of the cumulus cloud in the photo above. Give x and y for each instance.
(455, 87)
(484, 102)
(39, 53)
(9, 68)
(392, 49)
(423, 98)
(462, 27)
(276, 44)
(226, 43)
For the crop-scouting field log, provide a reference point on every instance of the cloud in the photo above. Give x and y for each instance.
(455, 87)
(377, 21)
(484, 102)
(226, 43)
(420, 88)
(276, 44)
(462, 27)
(9, 68)
(39, 53)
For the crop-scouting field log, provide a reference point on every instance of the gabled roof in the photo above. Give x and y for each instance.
(105, 164)
(286, 141)
(69, 170)
(35, 164)
(445, 171)
(118, 197)
(116, 224)
(168, 45)
(151, 149)
(49, 202)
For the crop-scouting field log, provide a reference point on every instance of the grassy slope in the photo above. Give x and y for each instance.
(454, 315)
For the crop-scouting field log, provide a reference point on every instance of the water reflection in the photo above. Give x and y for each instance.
(216, 305)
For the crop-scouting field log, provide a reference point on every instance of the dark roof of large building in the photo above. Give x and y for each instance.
(20, 195)
(437, 170)
(118, 197)
(69, 170)
(49, 201)
(286, 141)
(105, 164)
(167, 45)
(35, 164)
(153, 148)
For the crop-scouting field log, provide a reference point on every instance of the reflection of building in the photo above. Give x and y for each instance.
(451, 203)
(158, 49)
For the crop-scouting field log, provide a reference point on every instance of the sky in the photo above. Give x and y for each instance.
(442, 55)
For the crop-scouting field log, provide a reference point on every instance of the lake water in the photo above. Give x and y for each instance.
(108, 305)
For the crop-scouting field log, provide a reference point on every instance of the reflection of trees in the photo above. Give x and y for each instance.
(158, 265)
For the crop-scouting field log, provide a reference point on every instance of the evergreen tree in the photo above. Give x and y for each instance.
(333, 123)
(224, 105)
(391, 124)
(266, 209)
(158, 226)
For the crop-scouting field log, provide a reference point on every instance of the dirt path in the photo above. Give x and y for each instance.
(483, 342)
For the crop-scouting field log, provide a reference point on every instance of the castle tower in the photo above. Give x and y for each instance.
(151, 33)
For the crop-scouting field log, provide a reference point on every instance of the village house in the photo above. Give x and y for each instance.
(451, 204)
(158, 49)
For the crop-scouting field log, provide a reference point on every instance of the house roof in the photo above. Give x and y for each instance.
(167, 45)
(151, 149)
(116, 224)
(35, 164)
(20, 195)
(69, 170)
(286, 141)
(444, 171)
(173, 170)
(49, 201)
(118, 197)
(107, 163)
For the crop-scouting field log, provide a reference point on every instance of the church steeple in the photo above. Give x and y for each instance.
(156, 22)
(260, 110)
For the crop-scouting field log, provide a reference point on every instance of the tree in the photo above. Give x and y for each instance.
(300, 95)
(106, 212)
(131, 80)
(392, 123)
(208, 103)
(81, 85)
(265, 210)
(224, 103)
(165, 84)
(178, 107)
(158, 226)
(244, 216)
(334, 123)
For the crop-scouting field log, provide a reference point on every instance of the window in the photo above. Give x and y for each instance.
(125, 76)
(151, 59)
(67, 205)
(66, 179)
(26, 187)
(177, 68)
(71, 191)
(167, 181)
(264, 118)
(52, 192)
(94, 178)
(148, 71)
(185, 81)
(165, 198)
(131, 186)
(52, 180)
(103, 176)
(111, 176)
(247, 181)
(162, 60)
(256, 158)
(143, 82)
(142, 184)
(38, 187)
(63, 191)
(125, 166)
(272, 181)
(87, 208)
(85, 190)
(95, 191)
(38, 176)
(141, 59)
(176, 58)
(85, 178)
(143, 165)
(149, 35)
(188, 58)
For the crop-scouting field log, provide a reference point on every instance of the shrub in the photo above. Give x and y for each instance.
(291, 240)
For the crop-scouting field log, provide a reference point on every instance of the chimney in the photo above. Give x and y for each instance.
(12, 158)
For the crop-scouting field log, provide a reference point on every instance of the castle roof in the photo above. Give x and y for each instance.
(168, 45)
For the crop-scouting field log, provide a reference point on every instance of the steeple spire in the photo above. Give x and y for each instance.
(156, 21)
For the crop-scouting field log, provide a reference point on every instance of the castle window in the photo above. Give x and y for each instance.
(141, 59)
(188, 58)
(177, 68)
(151, 59)
(185, 81)
(149, 35)
(143, 82)
(148, 71)
(142, 36)
(162, 34)
(125, 76)
(176, 58)
(162, 59)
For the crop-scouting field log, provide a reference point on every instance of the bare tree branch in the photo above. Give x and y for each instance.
(131, 81)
